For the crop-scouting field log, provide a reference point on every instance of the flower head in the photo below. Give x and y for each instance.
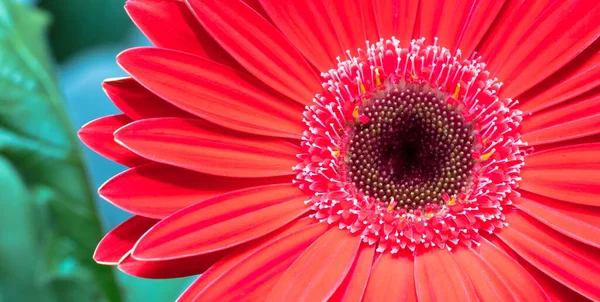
(447, 150)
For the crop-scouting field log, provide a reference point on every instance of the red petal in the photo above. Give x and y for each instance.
(194, 145)
(137, 102)
(495, 275)
(392, 279)
(214, 92)
(457, 20)
(553, 289)
(579, 222)
(579, 76)
(488, 285)
(98, 136)
(582, 156)
(562, 31)
(222, 222)
(483, 13)
(430, 14)
(348, 20)
(249, 279)
(566, 131)
(255, 5)
(396, 18)
(167, 269)
(510, 26)
(157, 190)
(568, 173)
(563, 122)
(259, 47)
(577, 119)
(307, 25)
(522, 285)
(320, 270)
(239, 254)
(345, 17)
(572, 263)
(183, 32)
(439, 278)
(369, 21)
(580, 186)
(353, 287)
(498, 243)
(120, 240)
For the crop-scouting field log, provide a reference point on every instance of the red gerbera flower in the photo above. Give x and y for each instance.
(405, 170)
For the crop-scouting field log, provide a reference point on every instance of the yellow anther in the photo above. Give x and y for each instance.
(363, 90)
(377, 80)
(452, 201)
(487, 155)
(355, 112)
(456, 91)
(390, 207)
(413, 76)
(336, 153)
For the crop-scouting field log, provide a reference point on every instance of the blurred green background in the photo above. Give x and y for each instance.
(53, 56)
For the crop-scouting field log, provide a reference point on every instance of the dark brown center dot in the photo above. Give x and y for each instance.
(414, 148)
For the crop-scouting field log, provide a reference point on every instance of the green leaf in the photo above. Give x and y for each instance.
(51, 227)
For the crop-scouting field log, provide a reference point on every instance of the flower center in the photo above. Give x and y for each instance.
(411, 147)
(414, 148)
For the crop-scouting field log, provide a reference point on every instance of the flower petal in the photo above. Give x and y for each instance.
(396, 18)
(239, 254)
(157, 190)
(307, 25)
(214, 92)
(138, 102)
(259, 47)
(430, 14)
(575, 119)
(579, 222)
(494, 274)
(256, 6)
(183, 33)
(581, 156)
(579, 76)
(167, 269)
(457, 18)
(194, 145)
(222, 222)
(568, 173)
(369, 21)
(510, 26)
(561, 31)
(488, 285)
(572, 263)
(98, 136)
(355, 283)
(347, 18)
(439, 278)
(522, 285)
(120, 240)
(580, 186)
(257, 272)
(566, 131)
(555, 290)
(318, 272)
(392, 279)
(479, 20)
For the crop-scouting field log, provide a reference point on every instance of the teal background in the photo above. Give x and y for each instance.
(74, 45)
